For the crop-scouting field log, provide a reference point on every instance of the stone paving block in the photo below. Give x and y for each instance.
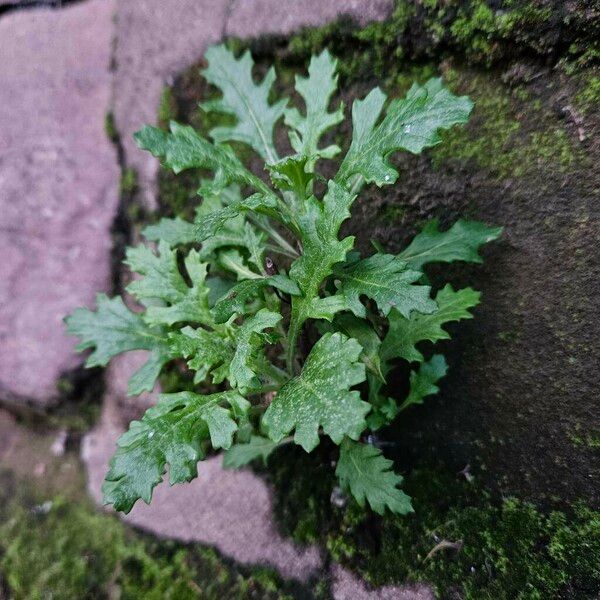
(58, 188)
(155, 40)
(248, 19)
(346, 586)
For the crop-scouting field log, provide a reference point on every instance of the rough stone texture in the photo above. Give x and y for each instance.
(230, 510)
(248, 19)
(58, 180)
(345, 586)
(155, 40)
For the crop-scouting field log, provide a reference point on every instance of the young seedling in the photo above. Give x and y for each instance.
(234, 292)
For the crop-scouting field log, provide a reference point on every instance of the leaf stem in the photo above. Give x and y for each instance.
(358, 182)
(285, 246)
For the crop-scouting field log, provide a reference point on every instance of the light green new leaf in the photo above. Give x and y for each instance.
(411, 123)
(172, 231)
(254, 242)
(423, 382)
(243, 99)
(236, 299)
(183, 148)
(460, 242)
(320, 396)
(404, 334)
(249, 340)
(163, 281)
(368, 475)
(289, 174)
(232, 260)
(387, 280)
(316, 90)
(242, 454)
(113, 329)
(170, 433)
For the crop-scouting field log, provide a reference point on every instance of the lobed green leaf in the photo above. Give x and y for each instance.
(320, 396)
(368, 476)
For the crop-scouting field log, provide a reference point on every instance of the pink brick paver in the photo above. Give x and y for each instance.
(58, 188)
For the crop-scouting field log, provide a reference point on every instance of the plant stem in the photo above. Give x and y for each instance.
(358, 182)
(286, 247)
(292, 339)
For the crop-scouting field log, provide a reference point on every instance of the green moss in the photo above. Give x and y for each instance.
(587, 439)
(509, 336)
(303, 507)
(393, 213)
(494, 138)
(177, 194)
(167, 108)
(487, 548)
(110, 128)
(128, 183)
(588, 98)
(481, 31)
(58, 548)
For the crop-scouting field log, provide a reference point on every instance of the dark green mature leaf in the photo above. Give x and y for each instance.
(249, 340)
(206, 351)
(367, 475)
(316, 91)
(242, 454)
(423, 382)
(362, 331)
(320, 396)
(163, 281)
(177, 231)
(387, 280)
(113, 329)
(170, 433)
(207, 225)
(183, 148)
(244, 99)
(411, 123)
(460, 242)
(319, 227)
(240, 294)
(404, 334)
